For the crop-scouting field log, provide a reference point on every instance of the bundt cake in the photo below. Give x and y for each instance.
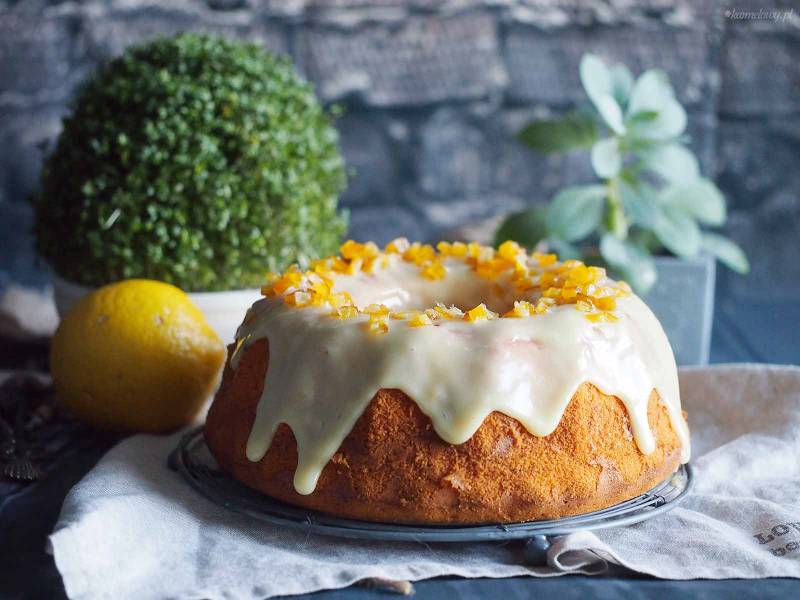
(527, 389)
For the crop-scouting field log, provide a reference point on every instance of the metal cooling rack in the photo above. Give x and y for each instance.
(192, 459)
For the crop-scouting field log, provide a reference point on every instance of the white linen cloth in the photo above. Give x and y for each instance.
(133, 529)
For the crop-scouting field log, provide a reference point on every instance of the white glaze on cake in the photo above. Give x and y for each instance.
(324, 371)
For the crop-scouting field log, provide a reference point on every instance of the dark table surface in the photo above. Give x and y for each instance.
(742, 333)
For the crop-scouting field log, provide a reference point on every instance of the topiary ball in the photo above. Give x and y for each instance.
(193, 160)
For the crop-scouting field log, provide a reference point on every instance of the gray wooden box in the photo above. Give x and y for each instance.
(683, 300)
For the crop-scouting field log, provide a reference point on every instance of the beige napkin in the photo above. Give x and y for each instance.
(743, 518)
(133, 529)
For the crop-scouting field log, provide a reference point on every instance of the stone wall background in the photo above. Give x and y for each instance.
(434, 92)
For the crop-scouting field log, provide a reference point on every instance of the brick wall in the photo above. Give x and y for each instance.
(434, 92)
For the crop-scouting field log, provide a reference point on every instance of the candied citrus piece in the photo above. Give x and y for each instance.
(479, 313)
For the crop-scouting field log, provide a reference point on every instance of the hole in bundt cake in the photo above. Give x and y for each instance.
(462, 289)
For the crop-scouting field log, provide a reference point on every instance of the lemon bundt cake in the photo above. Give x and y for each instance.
(527, 389)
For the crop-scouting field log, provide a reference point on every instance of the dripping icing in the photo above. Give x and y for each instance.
(323, 371)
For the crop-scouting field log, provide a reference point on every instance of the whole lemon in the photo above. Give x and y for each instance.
(136, 355)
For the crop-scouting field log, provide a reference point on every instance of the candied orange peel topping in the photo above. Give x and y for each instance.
(537, 281)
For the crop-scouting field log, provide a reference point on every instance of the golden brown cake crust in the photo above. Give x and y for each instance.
(393, 467)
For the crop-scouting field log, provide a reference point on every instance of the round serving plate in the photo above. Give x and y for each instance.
(192, 459)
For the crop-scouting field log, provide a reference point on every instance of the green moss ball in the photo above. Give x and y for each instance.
(194, 160)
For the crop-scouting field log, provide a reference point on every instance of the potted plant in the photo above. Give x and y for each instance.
(651, 201)
(192, 160)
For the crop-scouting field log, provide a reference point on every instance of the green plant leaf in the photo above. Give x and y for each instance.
(606, 158)
(595, 77)
(611, 113)
(652, 92)
(597, 81)
(621, 83)
(674, 163)
(669, 124)
(646, 240)
(527, 227)
(575, 212)
(643, 116)
(640, 204)
(574, 130)
(700, 198)
(630, 261)
(678, 232)
(565, 250)
(727, 251)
